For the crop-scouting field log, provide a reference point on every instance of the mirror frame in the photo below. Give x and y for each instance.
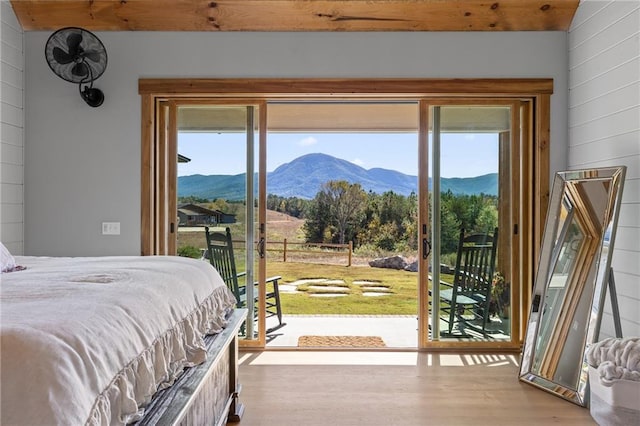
(589, 274)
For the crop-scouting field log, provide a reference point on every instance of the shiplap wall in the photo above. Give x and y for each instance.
(11, 131)
(604, 128)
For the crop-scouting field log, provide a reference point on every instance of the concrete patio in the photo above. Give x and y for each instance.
(397, 331)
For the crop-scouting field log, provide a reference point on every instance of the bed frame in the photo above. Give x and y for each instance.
(207, 393)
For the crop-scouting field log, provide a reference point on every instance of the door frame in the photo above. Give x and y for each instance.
(536, 174)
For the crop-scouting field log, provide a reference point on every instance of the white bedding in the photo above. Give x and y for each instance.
(88, 340)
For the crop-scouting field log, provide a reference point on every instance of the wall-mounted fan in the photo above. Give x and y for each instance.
(78, 56)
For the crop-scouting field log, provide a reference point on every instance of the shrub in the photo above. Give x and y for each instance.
(189, 251)
(449, 259)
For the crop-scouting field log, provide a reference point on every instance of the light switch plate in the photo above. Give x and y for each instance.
(110, 228)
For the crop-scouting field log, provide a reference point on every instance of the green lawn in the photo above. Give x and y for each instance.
(402, 287)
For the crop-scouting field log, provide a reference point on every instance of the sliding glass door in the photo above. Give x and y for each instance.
(482, 154)
(474, 210)
(218, 146)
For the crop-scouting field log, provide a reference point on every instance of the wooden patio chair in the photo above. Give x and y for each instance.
(466, 301)
(220, 254)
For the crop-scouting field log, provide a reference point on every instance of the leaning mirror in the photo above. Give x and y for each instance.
(571, 281)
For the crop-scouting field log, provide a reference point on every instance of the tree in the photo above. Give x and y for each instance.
(346, 204)
(338, 204)
(220, 204)
(317, 219)
(390, 221)
(487, 218)
(449, 230)
(292, 206)
(411, 221)
(192, 199)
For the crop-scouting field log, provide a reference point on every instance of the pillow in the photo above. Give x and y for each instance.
(7, 261)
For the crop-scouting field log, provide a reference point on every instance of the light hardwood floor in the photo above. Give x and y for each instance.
(394, 388)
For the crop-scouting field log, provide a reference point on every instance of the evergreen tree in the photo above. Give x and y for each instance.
(317, 219)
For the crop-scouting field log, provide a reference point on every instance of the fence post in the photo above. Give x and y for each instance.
(284, 252)
(350, 251)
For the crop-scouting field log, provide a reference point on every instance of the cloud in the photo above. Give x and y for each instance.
(308, 141)
(358, 162)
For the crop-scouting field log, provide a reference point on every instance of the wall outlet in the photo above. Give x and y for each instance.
(110, 228)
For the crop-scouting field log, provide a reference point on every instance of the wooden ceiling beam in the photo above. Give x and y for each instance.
(296, 15)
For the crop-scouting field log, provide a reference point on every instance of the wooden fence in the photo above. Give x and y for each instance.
(290, 250)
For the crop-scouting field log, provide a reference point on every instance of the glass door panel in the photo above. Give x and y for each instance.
(216, 188)
(471, 193)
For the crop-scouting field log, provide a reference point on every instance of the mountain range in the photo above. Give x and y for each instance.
(303, 177)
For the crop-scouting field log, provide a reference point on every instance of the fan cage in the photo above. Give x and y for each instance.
(89, 43)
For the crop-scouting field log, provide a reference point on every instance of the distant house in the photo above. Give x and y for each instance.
(194, 215)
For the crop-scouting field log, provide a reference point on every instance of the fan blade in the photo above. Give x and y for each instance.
(73, 41)
(80, 69)
(94, 55)
(61, 56)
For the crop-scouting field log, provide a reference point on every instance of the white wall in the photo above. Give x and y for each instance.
(11, 130)
(83, 164)
(604, 128)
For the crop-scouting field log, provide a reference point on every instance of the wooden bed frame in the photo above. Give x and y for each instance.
(207, 393)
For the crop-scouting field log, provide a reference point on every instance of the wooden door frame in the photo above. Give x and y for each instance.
(509, 192)
(537, 91)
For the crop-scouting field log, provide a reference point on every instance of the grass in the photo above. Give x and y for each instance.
(402, 286)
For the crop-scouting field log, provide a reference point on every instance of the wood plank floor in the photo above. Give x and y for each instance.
(394, 388)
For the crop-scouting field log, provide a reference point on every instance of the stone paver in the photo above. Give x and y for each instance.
(325, 288)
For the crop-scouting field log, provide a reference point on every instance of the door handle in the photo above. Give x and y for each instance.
(260, 247)
(426, 248)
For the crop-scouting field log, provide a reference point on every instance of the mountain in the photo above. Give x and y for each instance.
(303, 177)
(229, 187)
(485, 184)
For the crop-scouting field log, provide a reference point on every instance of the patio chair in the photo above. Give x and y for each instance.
(220, 254)
(466, 301)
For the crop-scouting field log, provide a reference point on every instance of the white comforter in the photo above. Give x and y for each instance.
(88, 340)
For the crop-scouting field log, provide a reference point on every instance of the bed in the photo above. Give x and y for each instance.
(97, 340)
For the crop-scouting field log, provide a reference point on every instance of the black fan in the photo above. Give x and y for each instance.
(78, 56)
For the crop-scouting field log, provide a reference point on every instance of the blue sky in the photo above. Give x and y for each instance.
(462, 155)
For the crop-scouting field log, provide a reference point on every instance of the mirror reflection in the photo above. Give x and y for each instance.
(574, 261)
